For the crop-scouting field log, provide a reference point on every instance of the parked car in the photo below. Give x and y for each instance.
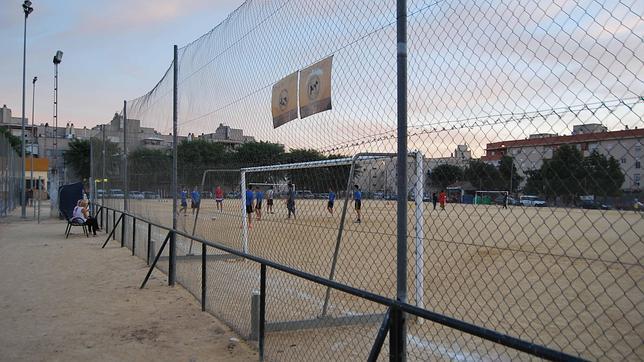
(304, 194)
(136, 195)
(100, 193)
(594, 205)
(378, 195)
(117, 194)
(529, 200)
(206, 195)
(511, 201)
(233, 195)
(150, 195)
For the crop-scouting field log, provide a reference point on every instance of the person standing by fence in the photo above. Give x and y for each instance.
(290, 201)
(249, 206)
(259, 197)
(442, 198)
(219, 199)
(357, 199)
(269, 201)
(196, 200)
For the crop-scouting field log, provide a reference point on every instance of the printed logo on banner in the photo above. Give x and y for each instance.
(315, 88)
(284, 100)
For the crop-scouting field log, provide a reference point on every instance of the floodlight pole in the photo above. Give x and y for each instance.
(57, 59)
(398, 336)
(26, 6)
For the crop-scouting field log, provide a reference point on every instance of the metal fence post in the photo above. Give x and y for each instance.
(396, 340)
(398, 337)
(133, 234)
(147, 259)
(126, 194)
(173, 245)
(203, 276)
(242, 191)
(114, 223)
(124, 217)
(262, 310)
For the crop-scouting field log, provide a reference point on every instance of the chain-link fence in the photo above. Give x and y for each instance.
(525, 132)
(10, 170)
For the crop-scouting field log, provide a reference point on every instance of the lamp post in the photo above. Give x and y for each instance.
(33, 107)
(26, 7)
(58, 57)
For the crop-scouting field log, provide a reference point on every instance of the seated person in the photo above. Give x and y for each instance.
(81, 214)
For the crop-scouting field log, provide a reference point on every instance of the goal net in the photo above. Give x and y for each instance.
(491, 198)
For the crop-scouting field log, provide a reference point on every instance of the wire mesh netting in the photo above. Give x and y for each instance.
(524, 172)
(10, 170)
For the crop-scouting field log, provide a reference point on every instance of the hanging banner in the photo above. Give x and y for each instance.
(315, 88)
(284, 100)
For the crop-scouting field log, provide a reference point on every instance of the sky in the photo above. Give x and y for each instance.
(113, 50)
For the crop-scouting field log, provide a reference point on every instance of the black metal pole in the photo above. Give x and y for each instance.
(114, 222)
(123, 217)
(173, 239)
(147, 258)
(203, 276)
(156, 259)
(380, 337)
(133, 234)
(126, 193)
(398, 337)
(262, 310)
(396, 340)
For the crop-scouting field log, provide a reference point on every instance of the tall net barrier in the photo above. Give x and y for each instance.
(10, 169)
(524, 213)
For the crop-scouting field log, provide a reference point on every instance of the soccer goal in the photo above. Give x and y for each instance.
(317, 179)
(491, 198)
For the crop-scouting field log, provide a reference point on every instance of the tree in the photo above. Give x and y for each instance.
(78, 157)
(509, 175)
(14, 141)
(602, 175)
(445, 175)
(149, 170)
(563, 175)
(534, 184)
(483, 175)
(259, 154)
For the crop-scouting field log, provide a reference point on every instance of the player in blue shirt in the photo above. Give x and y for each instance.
(329, 205)
(184, 202)
(249, 206)
(259, 197)
(196, 200)
(357, 199)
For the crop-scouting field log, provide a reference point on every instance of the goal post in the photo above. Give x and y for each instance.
(486, 197)
(417, 190)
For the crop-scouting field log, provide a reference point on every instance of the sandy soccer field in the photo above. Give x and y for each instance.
(566, 278)
(69, 300)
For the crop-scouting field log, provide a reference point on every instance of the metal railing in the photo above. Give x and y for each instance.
(392, 321)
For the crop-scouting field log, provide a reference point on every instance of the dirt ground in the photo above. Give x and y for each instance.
(569, 279)
(68, 300)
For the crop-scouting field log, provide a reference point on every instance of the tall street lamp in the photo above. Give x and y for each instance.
(58, 57)
(33, 135)
(26, 7)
